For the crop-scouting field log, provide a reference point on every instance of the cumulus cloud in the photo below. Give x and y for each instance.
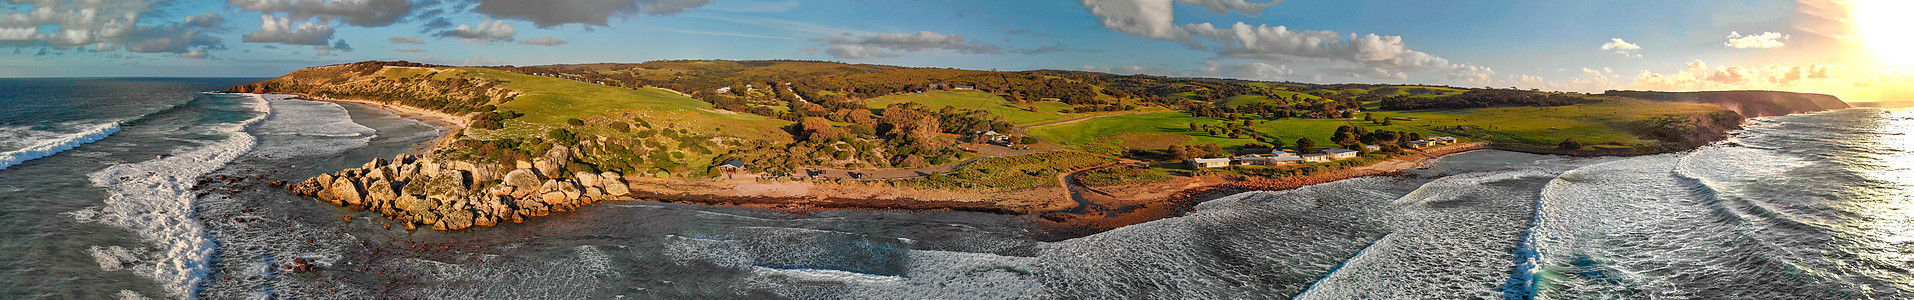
(1370, 55)
(106, 25)
(282, 30)
(1621, 47)
(1698, 75)
(405, 40)
(363, 13)
(194, 54)
(850, 46)
(544, 41)
(545, 13)
(1764, 40)
(1475, 75)
(486, 32)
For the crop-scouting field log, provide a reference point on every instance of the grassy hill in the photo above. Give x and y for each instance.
(1035, 112)
(681, 117)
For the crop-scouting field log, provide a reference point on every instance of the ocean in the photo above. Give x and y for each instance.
(128, 188)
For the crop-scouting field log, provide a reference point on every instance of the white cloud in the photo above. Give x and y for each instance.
(363, 13)
(1698, 75)
(1369, 55)
(405, 40)
(194, 54)
(547, 13)
(486, 32)
(544, 41)
(1621, 47)
(887, 44)
(281, 30)
(1764, 40)
(106, 25)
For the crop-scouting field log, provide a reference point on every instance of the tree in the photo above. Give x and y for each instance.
(1570, 144)
(1386, 122)
(1027, 140)
(1306, 145)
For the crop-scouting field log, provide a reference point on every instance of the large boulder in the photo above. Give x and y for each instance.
(614, 185)
(559, 155)
(529, 207)
(450, 184)
(570, 189)
(456, 219)
(483, 172)
(380, 191)
(586, 179)
(414, 204)
(346, 191)
(555, 199)
(524, 182)
(430, 168)
(547, 168)
(374, 164)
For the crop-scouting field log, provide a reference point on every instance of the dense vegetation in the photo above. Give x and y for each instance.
(1009, 173)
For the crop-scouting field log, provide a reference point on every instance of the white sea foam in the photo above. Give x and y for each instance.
(155, 199)
(48, 147)
(112, 258)
(308, 128)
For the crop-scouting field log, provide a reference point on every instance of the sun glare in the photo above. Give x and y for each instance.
(1887, 26)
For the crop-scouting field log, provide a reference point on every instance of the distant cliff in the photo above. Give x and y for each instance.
(1750, 104)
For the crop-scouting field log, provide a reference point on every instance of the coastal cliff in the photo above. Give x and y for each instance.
(544, 139)
(1749, 104)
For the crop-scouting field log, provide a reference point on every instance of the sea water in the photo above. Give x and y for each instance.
(1806, 206)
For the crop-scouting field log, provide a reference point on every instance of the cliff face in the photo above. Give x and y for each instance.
(1750, 104)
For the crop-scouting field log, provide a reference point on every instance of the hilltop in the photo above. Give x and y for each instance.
(1071, 146)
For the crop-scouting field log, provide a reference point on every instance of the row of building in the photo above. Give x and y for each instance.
(1279, 157)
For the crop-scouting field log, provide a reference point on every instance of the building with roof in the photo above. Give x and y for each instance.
(1209, 163)
(1339, 153)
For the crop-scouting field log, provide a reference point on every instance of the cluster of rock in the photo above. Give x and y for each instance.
(452, 195)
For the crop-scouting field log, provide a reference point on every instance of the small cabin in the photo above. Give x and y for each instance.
(1292, 159)
(1339, 153)
(1281, 153)
(1372, 148)
(1209, 162)
(1315, 158)
(733, 165)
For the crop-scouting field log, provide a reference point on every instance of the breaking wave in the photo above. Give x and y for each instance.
(155, 200)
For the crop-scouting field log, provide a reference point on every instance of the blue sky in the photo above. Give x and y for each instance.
(1557, 45)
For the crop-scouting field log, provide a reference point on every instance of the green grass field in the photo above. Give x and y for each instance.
(548, 102)
(1110, 135)
(1601, 123)
(1045, 111)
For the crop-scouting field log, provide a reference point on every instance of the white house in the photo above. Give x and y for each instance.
(1315, 157)
(1209, 162)
(1445, 139)
(1281, 153)
(1339, 153)
(1419, 144)
(1372, 147)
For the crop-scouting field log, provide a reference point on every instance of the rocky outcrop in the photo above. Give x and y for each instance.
(452, 195)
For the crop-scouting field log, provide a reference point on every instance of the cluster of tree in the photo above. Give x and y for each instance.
(1485, 98)
(1186, 152)
(1354, 137)
(493, 118)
